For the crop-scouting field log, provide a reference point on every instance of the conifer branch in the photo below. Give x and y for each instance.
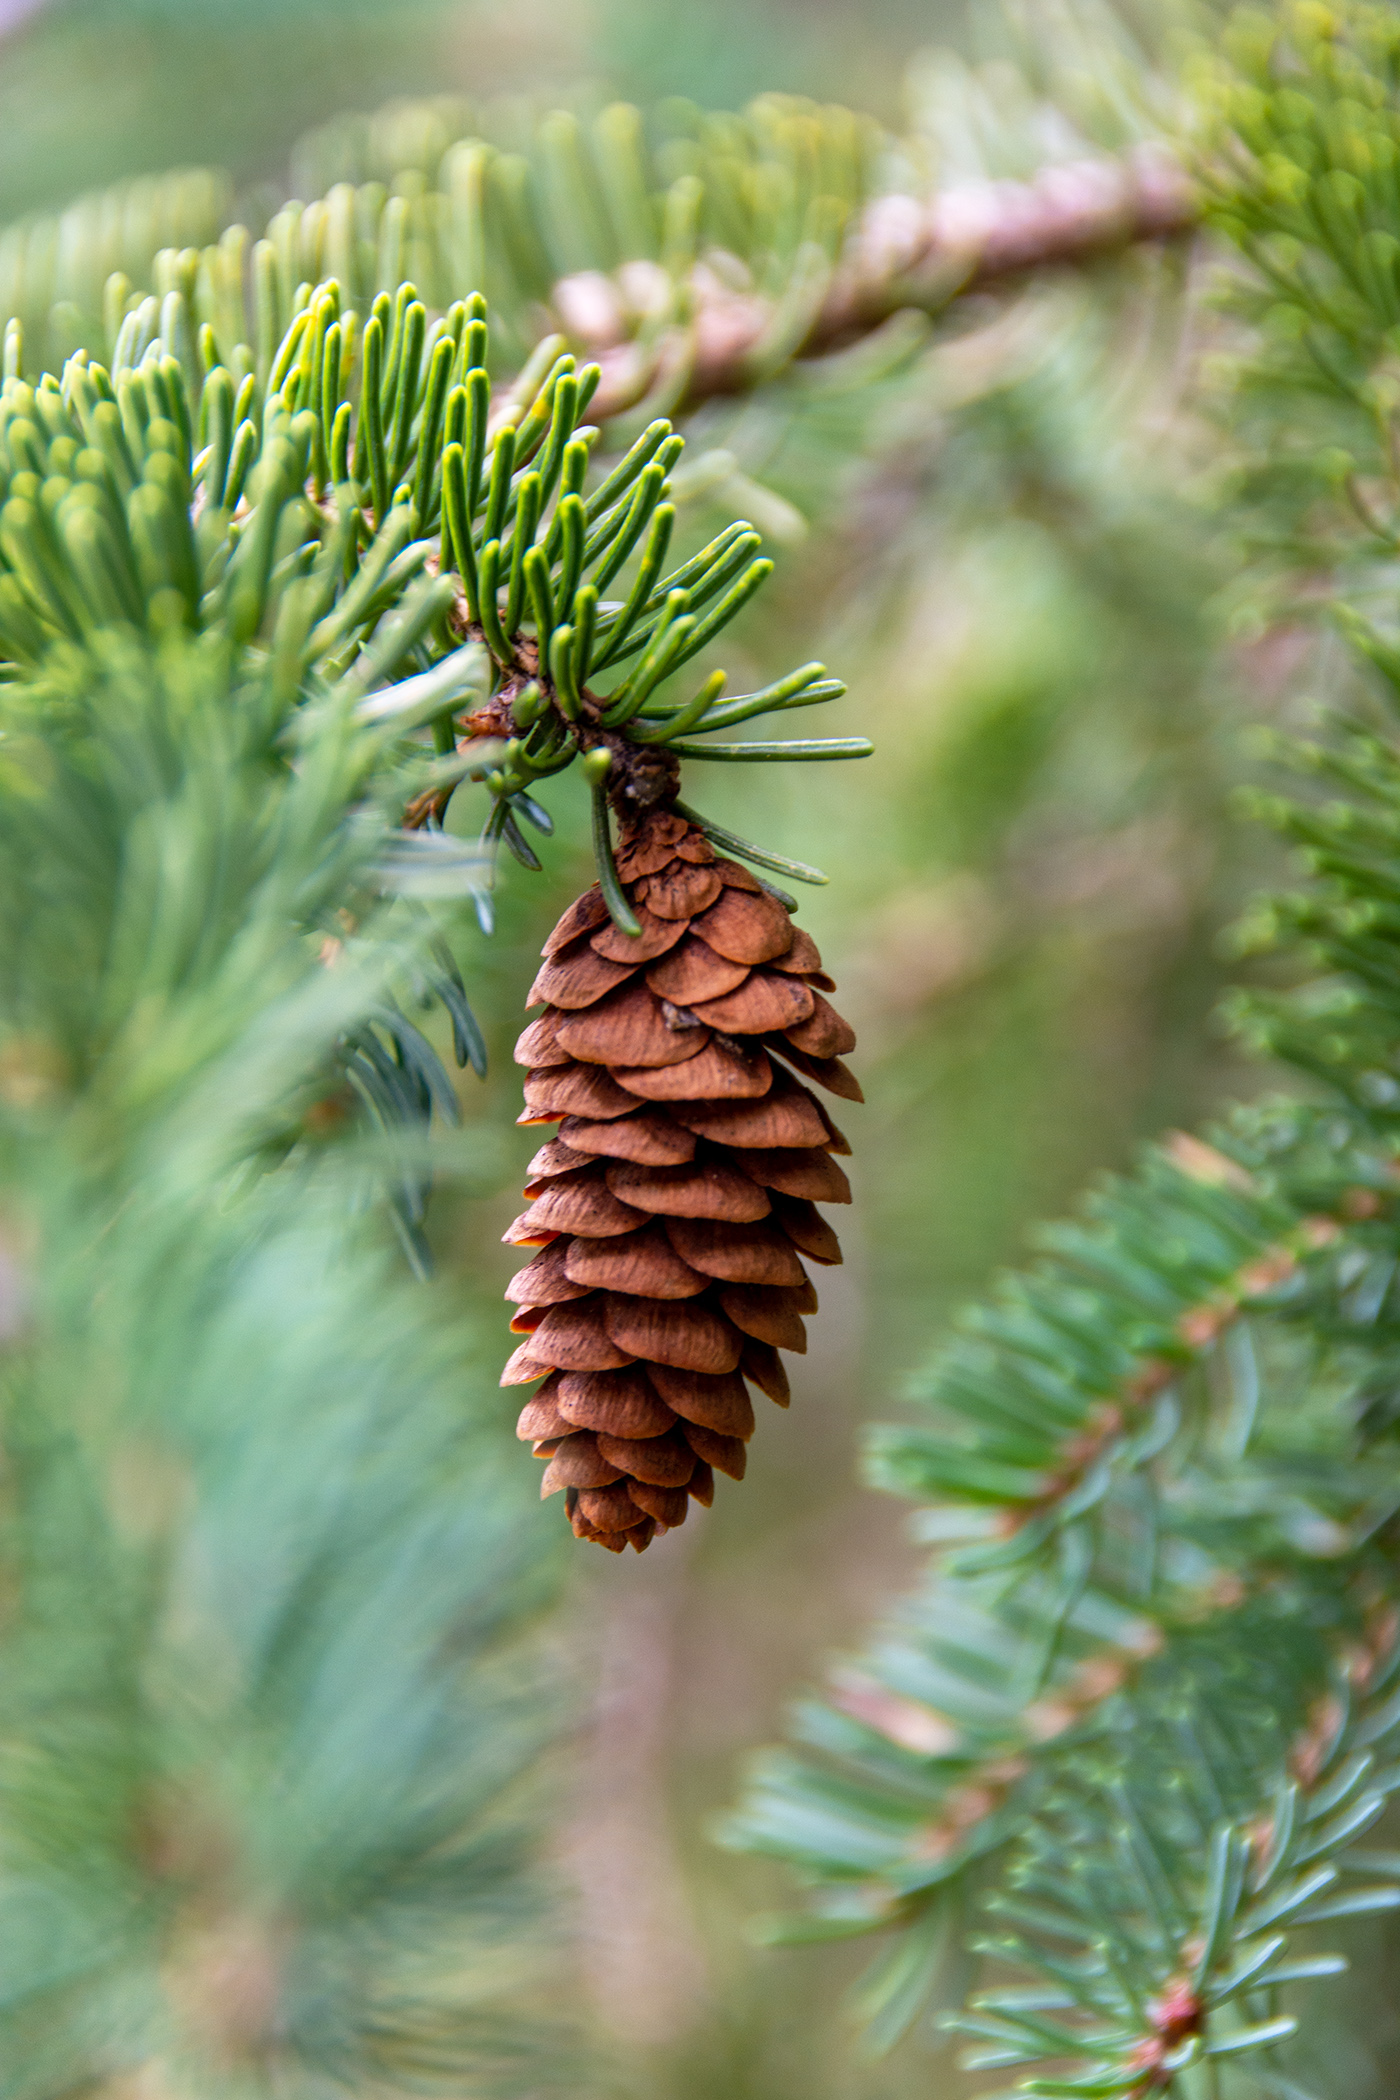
(1195, 1385)
(289, 547)
(690, 295)
(349, 502)
(287, 552)
(903, 253)
(252, 1523)
(1143, 1971)
(1063, 1406)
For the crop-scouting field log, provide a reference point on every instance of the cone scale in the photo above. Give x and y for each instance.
(674, 1211)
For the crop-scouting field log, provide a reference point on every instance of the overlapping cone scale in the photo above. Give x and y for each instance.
(673, 1206)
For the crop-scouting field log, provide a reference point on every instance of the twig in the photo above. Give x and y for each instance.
(905, 252)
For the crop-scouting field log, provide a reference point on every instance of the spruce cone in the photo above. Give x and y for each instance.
(671, 1208)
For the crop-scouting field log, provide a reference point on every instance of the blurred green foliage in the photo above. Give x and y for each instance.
(267, 1715)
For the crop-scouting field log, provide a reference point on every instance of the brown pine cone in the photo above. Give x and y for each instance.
(671, 1208)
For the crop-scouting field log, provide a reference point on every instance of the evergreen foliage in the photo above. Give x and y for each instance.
(291, 544)
(252, 504)
(697, 252)
(274, 578)
(1138, 1716)
(420, 194)
(249, 1524)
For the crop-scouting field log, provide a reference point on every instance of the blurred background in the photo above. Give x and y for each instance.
(97, 89)
(998, 537)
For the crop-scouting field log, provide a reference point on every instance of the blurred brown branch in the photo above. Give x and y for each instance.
(906, 253)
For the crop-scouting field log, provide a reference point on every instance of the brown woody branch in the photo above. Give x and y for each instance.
(905, 253)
